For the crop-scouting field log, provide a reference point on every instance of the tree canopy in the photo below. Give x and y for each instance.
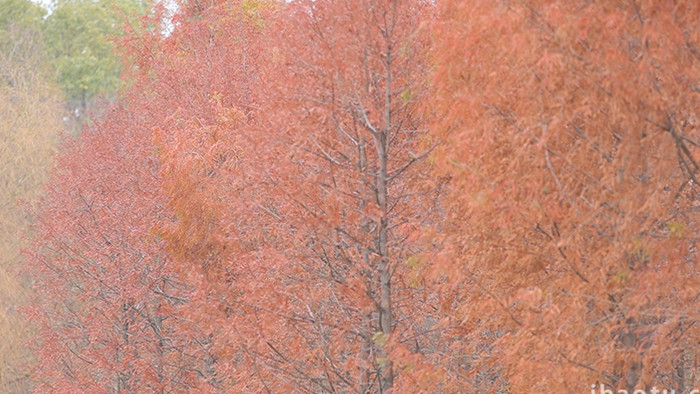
(379, 196)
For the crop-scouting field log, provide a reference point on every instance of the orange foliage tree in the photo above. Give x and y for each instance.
(293, 159)
(107, 303)
(348, 185)
(571, 136)
(534, 228)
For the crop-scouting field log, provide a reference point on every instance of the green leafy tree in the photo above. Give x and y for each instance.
(18, 14)
(80, 41)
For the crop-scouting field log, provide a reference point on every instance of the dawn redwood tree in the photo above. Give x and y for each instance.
(293, 159)
(199, 90)
(352, 190)
(108, 306)
(285, 186)
(571, 137)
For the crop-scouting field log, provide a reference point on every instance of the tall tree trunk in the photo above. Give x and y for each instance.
(382, 140)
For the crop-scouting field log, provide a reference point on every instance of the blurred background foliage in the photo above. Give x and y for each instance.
(79, 37)
(31, 110)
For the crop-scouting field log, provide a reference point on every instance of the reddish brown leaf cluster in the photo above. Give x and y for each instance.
(109, 307)
(571, 135)
(373, 196)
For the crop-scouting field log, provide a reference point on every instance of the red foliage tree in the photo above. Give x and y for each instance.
(293, 160)
(571, 136)
(204, 83)
(347, 185)
(109, 308)
(272, 157)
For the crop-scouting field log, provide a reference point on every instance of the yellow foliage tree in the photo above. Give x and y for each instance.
(30, 109)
